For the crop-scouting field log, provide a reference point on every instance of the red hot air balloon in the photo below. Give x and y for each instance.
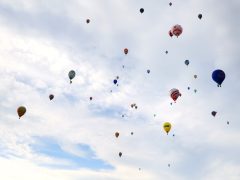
(176, 30)
(126, 51)
(170, 33)
(174, 93)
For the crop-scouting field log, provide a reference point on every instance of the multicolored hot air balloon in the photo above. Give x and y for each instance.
(176, 30)
(21, 111)
(218, 76)
(71, 75)
(167, 127)
(174, 93)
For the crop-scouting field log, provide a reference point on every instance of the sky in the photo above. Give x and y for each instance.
(71, 137)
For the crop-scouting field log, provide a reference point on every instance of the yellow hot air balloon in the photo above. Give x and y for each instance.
(167, 127)
(21, 111)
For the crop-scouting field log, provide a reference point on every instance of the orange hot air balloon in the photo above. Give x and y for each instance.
(21, 111)
(126, 51)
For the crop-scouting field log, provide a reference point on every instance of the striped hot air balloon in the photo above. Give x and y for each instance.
(174, 93)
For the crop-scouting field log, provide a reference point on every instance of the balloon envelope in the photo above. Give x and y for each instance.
(186, 62)
(218, 76)
(200, 16)
(115, 81)
(125, 51)
(177, 30)
(214, 113)
(167, 127)
(174, 94)
(21, 111)
(116, 134)
(71, 75)
(51, 96)
(141, 10)
(120, 154)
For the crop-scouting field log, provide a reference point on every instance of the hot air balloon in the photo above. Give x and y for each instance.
(195, 90)
(186, 62)
(166, 52)
(200, 16)
(141, 10)
(188, 88)
(227, 122)
(116, 134)
(125, 51)
(51, 96)
(170, 33)
(131, 133)
(214, 113)
(170, 4)
(115, 81)
(174, 93)
(167, 127)
(218, 76)
(90, 98)
(88, 21)
(117, 77)
(120, 154)
(176, 30)
(21, 111)
(148, 71)
(195, 76)
(71, 75)
(168, 165)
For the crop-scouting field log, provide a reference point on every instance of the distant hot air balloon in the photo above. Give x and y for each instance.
(170, 33)
(188, 88)
(21, 111)
(71, 75)
(218, 76)
(125, 51)
(186, 62)
(195, 76)
(168, 165)
(200, 16)
(115, 81)
(51, 96)
(177, 30)
(195, 90)
(116, 134)
(90, 98)
(214, 113)
(117, 77)
(148, 71)
(141, 10)
(227, 122)
(170, 4)
(174, 93)
(88, 21)
(131, 133)
(120, 154)
(166, 52)
(167, 127)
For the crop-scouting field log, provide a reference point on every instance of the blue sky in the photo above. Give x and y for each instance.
(72, 137)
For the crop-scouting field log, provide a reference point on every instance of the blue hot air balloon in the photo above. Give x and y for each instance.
(218, 76)
(115, 81)
(186, 62)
